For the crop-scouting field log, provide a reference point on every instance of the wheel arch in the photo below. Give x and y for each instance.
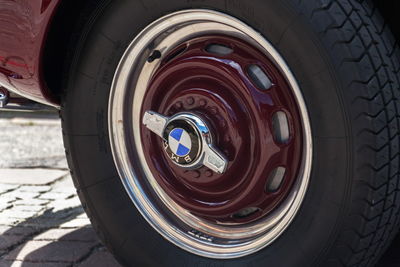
(62, 39)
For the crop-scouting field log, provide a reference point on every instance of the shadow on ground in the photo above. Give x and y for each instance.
(79, 247)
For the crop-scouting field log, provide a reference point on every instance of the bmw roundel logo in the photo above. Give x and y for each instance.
(179, 142)
(182, 142)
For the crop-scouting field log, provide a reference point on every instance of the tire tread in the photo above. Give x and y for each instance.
(357, 30)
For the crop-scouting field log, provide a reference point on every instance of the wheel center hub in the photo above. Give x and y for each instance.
(188, 141)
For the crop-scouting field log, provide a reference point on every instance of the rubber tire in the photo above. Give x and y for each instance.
(346, 62)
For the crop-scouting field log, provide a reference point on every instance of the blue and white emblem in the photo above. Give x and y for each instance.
(179, 142)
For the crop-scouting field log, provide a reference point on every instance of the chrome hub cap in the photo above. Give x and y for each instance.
(188, 141)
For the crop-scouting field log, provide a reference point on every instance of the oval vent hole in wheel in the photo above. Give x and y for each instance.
(219, 49)
(275, 179)
(259, 77)
(280, 127)
(246, 212)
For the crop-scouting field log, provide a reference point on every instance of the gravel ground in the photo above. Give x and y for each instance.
(34, 140)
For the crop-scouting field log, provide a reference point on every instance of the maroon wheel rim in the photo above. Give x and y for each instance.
(211, 77)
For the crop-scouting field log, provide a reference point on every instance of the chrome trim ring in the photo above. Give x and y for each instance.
(172, 221)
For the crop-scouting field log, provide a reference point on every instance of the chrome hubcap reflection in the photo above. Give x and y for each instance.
(171, 220)
(187, 140)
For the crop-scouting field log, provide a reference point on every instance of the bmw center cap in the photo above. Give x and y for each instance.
(182, 141)
(187, 140)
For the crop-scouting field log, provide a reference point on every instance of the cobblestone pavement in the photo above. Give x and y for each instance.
(41, 220)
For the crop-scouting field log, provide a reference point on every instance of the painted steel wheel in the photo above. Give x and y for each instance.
(233, 133)
(210, 66)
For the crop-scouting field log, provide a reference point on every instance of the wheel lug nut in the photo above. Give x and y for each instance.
(195, 174)
(203, 102)
(208, 173)
(190, 100)
(178, 105)
(226, 152)
(227, 138)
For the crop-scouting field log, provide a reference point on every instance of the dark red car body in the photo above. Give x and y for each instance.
(23, 29)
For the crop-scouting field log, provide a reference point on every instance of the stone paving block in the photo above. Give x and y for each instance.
(64, 204)
(56, 195)
(40, 224)
(36, 264)
(4, 228)
(67, 213)
(45, 221)
(7, 187)
(100, 258)
(83, 215)
(30, 208)
(33, 176)
(76, 223)
(9, 221)
(10, 213)
(8, 198)
(64, 184)
(84, 234)
(20, 195)
(7, 241)
(17, 230)
(26, 202)
(32, 188)
(4, 263)
(66, 190)
(45, 251)
(5, 205)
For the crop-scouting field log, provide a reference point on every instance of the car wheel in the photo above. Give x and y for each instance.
(231, 133)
